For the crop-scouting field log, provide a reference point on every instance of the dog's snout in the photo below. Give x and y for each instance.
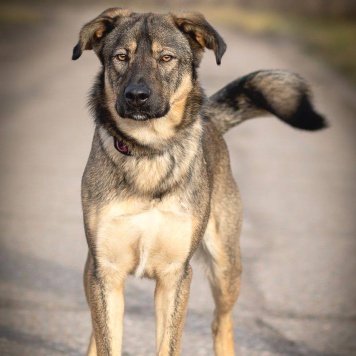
(137, 95)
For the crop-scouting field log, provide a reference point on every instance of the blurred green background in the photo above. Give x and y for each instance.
(324, 28)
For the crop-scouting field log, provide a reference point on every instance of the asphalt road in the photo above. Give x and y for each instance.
(298, 189)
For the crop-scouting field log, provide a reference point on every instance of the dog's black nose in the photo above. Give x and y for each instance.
(137, 95)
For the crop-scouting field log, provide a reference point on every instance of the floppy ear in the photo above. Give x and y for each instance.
(200, 32)
(92, 34)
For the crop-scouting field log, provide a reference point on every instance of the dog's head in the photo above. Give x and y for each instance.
(149, 60)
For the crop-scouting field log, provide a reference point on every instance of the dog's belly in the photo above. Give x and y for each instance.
(145, 239)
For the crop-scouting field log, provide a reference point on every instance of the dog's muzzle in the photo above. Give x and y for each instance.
(134, 104)
(136, 95)
(137, 103)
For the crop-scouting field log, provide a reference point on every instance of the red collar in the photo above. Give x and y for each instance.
(121, 147)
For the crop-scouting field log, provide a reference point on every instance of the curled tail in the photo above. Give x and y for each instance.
(278, 92)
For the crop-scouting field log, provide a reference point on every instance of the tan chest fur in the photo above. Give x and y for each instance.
(142, 238)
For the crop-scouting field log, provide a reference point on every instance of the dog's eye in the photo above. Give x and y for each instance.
(166, 58)
(122, 57)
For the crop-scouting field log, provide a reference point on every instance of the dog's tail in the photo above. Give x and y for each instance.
(278, 92)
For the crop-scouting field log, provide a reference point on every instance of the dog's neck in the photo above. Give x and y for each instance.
(155, 174)
(116, 147)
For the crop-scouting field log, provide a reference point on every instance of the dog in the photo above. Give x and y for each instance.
(157, 187)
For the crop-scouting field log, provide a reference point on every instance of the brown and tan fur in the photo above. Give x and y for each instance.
(147, 213)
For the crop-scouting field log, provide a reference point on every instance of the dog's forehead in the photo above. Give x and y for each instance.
(159, 30)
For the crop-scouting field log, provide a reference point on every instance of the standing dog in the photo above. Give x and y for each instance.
(157, 186)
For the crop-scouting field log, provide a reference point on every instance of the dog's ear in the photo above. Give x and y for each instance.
(92, 34)
(200, 32)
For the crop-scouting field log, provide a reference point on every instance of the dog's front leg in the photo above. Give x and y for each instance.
(106, 301)
(171, 300)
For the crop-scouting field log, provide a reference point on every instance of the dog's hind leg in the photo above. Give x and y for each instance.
(171, 300)
(221, 252)
(92, 346)
(106, 302)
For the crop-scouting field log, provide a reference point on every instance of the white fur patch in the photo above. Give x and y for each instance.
(147, 237)
(152, 221)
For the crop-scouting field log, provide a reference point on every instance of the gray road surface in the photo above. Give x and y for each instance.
(298, 189)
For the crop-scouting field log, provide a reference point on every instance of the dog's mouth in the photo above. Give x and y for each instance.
(140, 114)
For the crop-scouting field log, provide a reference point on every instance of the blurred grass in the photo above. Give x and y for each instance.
(331, 40)
(17, 14)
